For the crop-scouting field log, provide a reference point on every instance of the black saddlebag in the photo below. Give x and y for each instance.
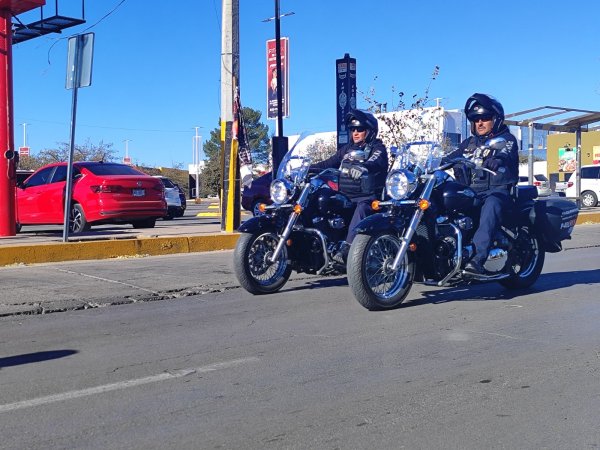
(555, 219)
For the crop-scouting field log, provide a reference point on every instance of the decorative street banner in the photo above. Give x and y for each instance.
(239, 135)
(272, 78)
(345, 71)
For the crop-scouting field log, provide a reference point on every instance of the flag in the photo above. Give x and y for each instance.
(239, 135)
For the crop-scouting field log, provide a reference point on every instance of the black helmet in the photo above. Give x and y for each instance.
(362, 118)
(481, 105)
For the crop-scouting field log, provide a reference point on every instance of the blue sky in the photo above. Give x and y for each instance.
(156, 69)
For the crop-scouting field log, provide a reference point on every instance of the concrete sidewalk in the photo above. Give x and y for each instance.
(183, 235)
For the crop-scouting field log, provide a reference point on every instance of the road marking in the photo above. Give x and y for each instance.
(214, 206)
(123, 384)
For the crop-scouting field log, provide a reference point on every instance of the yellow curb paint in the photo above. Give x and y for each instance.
(106, 249)
(213, 207)
(208, 215)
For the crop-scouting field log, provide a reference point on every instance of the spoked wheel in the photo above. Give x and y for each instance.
(78, 223)
(370, 276)
(253, 267)
(527, 260)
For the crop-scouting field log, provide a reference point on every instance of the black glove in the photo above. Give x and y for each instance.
(356, 172)
(492, 164)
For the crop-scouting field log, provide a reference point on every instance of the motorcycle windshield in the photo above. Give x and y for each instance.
(421, 156)
(296, 162)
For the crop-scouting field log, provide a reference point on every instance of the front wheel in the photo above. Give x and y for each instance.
(370, 276)
(589, 199)
(252, 263)
(527, 261)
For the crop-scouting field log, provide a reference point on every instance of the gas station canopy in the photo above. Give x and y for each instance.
(568, 120)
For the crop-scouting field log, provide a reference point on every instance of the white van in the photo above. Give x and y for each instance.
(590, 185)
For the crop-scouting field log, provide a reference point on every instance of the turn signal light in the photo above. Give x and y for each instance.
(412, 247)
(424, 204)
(297, 208)
(375, 205)
(262, 207)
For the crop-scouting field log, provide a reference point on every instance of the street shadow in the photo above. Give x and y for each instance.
(29, 358)
(547, 282)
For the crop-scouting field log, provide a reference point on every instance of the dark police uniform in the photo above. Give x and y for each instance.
(492, 190)
(368, 187)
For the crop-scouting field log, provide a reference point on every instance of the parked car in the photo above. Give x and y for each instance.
(540, 182)
(173, 198)
(23, 174)
(590, 185)
(103, 192)
(258, 192)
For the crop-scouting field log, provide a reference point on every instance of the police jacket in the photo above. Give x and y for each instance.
(507, 174)
(376, 162)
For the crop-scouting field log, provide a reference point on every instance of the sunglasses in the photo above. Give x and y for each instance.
(482, 119)
(357, 129)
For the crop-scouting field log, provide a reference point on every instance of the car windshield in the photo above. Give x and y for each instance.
(168, 183)
(111, 169)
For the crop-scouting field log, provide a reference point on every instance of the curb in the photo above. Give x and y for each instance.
(114, 248)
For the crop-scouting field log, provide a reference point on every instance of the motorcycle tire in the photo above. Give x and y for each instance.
(374, 285)
(527, 257)
(252, 267)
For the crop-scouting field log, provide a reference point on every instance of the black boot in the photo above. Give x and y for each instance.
(341, 255)
(475, 267)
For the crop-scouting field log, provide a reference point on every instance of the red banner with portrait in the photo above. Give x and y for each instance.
(272, 78)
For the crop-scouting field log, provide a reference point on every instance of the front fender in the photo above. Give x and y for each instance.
(380, 222)
(257, 223)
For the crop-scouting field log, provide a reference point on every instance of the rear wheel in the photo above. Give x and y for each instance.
(589, 199)
(253, 267)
(78, 222)
(373, 282)
(146, 223)
(527, 260)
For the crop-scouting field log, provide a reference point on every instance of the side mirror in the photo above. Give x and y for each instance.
(496, 143)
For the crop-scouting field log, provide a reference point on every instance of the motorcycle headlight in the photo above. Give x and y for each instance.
(400, 184)
(281, 191)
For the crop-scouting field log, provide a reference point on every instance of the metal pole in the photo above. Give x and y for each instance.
(578, 167)
(530, 153)
(69, 187)
(278, 62)
(8, 220)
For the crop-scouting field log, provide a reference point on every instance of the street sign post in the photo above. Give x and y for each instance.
(79, 74)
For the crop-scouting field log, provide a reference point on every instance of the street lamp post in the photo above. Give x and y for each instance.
(280, 142)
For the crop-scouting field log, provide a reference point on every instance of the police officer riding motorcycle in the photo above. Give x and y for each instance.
(363, 164)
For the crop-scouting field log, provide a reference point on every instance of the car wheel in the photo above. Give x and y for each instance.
(78, 223)
(146, 223)
(589, 199)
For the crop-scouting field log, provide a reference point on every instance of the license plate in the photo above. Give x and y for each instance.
(139, 192)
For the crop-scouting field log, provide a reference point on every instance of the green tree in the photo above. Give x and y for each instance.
(258, 140)
(86, 152)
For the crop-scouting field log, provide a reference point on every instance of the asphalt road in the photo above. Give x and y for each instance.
(466, 368)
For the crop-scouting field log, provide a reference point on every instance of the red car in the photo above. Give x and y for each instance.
(103, 192)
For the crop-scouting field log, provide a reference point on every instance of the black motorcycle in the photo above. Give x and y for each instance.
(302, 230)
(425, 232)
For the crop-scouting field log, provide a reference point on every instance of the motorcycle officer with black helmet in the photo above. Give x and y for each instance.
(363, 167)
(486, 115)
